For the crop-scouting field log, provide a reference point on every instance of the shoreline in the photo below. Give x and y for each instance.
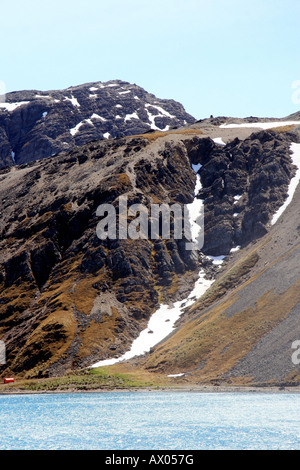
(165, 389)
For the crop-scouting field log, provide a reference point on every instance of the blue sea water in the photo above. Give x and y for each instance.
(150, 421)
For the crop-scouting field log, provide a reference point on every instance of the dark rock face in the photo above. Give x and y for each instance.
(35, 124)
(243, 184)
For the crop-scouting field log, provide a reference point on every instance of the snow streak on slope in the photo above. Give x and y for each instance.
(12, 106)
(162, 322)
(261, 125)
(195, 209)
(75, 129)
(295, 148)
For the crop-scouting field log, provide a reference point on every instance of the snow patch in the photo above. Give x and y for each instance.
(13, 106)
(108, 86)
(152, 117)
(295, 148)
(195, 211)
(195, 208)
(75, 129)
(217, 260)
(162, 111)
(176, 375)
(43, 96)
(260, 125)
(73, 100)
(97, 117)
(152, 121)
(106, 135)
(219, 140)
(128, 117)
(124, 92)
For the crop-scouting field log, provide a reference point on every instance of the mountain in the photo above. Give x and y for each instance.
(70, 299)
(243, 331)
(36, 124)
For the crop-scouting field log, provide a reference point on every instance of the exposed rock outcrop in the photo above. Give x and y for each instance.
(35, 124)
(243, 183)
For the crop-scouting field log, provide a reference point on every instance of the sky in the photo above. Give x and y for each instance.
(234, 58)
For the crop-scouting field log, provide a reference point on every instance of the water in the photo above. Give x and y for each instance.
(150, 421)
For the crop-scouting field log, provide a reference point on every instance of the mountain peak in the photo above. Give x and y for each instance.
(38, 124)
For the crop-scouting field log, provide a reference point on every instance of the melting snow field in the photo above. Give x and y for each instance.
(72, 100)
(219, 140)
(161, 113)
(261, 125)
(12, 106)
(161, 324)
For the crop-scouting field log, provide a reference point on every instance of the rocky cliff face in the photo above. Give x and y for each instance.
(69, 299)
(243, 183)
(35, 124)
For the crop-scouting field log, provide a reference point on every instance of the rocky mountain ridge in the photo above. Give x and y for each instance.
(39, 124)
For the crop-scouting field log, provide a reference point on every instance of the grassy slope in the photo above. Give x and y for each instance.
(211, 344)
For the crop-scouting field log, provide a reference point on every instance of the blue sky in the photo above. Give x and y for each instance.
(226, 58)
